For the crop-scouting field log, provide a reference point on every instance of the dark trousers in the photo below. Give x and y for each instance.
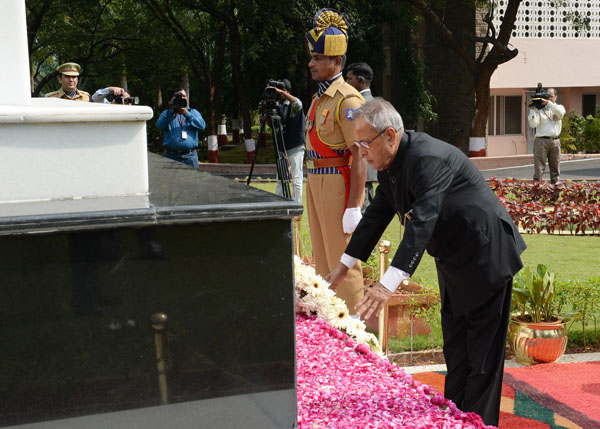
(474, 349)
(190, 158)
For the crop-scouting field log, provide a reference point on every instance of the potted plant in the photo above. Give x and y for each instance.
(536, 333)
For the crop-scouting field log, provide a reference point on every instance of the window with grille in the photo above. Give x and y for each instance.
(505, 115)
(547, 19)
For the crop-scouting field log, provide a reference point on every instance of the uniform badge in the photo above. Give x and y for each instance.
(350, 114)
(324, 114)
(310, 125)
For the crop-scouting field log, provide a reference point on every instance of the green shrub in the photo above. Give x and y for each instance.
(591, 135)
(584, 299)
(580, 134)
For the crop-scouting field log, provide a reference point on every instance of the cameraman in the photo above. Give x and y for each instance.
(101, 96)
(546, 118)
(180, 126)
(293, 120)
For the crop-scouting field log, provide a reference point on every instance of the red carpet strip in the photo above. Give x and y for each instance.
(544, 396)
(571, 390)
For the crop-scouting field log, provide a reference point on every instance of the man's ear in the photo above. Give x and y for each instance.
(360, 78)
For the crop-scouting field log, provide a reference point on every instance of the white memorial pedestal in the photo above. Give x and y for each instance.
(56, 149)
(62, 149)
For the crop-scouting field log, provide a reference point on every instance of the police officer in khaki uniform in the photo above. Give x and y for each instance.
(68, 77)
(336, 173)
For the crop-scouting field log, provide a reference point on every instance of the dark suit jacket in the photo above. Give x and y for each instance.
(451, 212)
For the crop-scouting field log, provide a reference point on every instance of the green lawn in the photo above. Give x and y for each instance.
(571, 257)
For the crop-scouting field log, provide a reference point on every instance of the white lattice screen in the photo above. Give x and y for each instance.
(543, 20)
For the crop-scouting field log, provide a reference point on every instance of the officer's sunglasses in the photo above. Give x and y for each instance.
(365, 143)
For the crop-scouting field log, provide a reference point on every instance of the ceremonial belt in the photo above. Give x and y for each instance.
(327, 153)
(340, 161)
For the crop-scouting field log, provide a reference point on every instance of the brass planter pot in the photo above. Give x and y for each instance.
(533, 343)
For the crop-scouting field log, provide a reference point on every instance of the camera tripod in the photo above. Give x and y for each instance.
(283, 164)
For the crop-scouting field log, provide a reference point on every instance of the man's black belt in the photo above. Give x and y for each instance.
(549, 137)
(181, 152)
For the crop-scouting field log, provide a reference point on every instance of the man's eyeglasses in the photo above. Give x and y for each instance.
(365, 143)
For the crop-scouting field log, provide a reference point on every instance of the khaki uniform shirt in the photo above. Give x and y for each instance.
(336, 135)
(79, 96)
(326, 190)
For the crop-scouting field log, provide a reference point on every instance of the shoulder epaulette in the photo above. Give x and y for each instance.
(348, 91)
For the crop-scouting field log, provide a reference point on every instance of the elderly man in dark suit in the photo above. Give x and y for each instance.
(448, 210)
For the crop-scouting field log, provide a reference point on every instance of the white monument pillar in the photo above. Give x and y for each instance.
(14, 80)
(62, 149)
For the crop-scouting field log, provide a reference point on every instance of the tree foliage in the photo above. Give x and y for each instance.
(228, 48)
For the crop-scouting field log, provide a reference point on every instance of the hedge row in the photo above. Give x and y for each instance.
(567, 207)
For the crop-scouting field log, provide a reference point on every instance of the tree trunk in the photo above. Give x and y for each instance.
(212, 80)
(159, 98)
(477, 140)
(236, 68)
(211, 119)
(482, 101)
(185, 84)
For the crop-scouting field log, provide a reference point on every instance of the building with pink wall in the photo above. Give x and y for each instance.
(552, 52)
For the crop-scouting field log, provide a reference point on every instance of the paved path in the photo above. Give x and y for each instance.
(567, 358)
(585, 169)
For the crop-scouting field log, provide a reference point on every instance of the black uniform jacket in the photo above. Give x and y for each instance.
(449, 210)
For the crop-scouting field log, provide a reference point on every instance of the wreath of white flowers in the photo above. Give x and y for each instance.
(313, 297)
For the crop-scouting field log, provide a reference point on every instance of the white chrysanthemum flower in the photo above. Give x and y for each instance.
(313, 296)
(357, 325)
(338, 316)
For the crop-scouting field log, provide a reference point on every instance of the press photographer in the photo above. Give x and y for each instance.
(545, 115)
(180, 125)
(293, 120)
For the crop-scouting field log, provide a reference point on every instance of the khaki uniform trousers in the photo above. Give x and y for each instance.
(545, 147)
(325, 199)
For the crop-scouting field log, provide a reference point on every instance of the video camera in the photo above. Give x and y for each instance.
(179, 102)
(270, 96)
(539, 95)
(270, 116)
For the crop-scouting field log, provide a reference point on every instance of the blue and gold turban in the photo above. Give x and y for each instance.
(329, 35)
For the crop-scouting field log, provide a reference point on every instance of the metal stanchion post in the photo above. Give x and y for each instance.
(159, 325)
(384, 250)
(297, 238)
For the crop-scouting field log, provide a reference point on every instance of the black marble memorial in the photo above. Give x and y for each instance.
(174, 309)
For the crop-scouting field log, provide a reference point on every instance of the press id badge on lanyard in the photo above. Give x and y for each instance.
(181, 122)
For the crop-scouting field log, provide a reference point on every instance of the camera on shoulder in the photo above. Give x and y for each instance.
(539, 95)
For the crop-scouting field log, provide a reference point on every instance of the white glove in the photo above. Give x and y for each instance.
(350, 219)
